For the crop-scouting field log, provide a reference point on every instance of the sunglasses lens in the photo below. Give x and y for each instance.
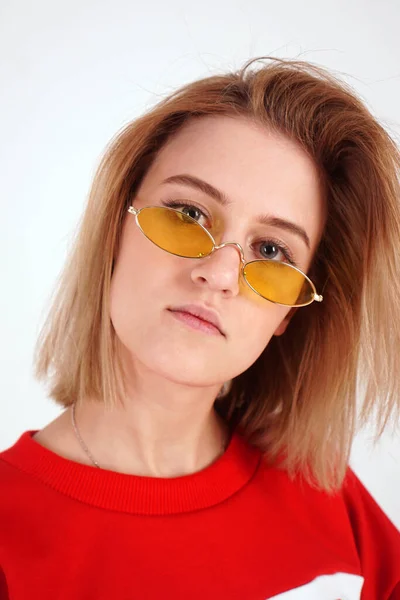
(175, 232)
(279, 282)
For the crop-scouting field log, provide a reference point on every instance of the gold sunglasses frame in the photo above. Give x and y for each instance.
(316, 297)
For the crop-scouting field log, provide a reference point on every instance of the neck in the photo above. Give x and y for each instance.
(153, 441)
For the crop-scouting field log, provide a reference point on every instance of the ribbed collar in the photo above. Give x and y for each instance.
(133, 493)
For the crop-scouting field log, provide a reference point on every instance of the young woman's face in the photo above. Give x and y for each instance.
(259, 173)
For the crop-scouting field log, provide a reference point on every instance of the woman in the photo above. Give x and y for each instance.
(233, 290)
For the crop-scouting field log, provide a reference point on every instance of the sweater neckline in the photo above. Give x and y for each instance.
(136, 493)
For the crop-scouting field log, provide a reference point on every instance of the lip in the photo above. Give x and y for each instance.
(201, 312)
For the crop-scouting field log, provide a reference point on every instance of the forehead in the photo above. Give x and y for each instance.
(256, 169)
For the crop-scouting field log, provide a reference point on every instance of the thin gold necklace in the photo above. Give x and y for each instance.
(80, 440)
(90, 455)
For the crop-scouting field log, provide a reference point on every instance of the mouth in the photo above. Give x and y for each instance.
(197, 322)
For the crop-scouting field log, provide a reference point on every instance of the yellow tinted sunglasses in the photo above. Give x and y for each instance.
(179, 234)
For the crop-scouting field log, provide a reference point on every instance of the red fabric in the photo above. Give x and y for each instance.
(235, 530)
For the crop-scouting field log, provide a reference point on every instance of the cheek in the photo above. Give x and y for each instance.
(254, 329)
(129, 280)
(142, 283)
(132, 284)
(140, 264)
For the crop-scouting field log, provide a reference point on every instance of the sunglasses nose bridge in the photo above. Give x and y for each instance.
(237, 246)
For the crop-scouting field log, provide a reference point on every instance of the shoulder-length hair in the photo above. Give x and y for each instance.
(299, 400)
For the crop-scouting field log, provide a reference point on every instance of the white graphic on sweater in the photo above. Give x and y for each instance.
(340, 586)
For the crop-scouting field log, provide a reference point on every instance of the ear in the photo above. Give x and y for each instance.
(282, 326)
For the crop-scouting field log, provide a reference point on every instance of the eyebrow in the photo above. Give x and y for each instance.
(221, 198)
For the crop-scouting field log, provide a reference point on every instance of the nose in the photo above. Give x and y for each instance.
(221, 269)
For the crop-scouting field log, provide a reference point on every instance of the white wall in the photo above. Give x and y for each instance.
(73, 72)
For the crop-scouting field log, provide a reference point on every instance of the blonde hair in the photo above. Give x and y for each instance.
(298, 401)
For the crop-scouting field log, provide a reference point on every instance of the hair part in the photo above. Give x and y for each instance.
(332, 355)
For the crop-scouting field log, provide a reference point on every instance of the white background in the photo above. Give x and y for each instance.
(73, 72)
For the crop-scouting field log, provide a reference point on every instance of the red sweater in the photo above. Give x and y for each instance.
(238, 529)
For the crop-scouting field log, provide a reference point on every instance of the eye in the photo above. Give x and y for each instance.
(274, 250)
(189, 209)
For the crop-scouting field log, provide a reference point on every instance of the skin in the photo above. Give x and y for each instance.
(167, 426)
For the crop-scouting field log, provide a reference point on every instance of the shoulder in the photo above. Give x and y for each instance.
(28, 456)
(348, 520)
(16, 484)
(363, 510)
(377, 539)
(57, 436)
(372, 527)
